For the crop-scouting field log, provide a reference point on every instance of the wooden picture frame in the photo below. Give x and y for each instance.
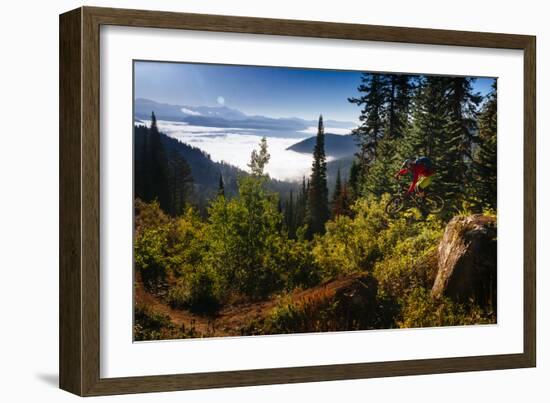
(80, 216)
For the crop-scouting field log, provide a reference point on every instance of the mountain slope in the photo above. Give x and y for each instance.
(205, 172)
(336, 146)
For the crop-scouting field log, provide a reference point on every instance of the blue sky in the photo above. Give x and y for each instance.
(268, 91)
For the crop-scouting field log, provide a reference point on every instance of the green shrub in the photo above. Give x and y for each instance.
(410, 255)
(187, 242)
(421, 310)
(148, 215)
(358, 244)
(297, 265)
(351, 244)
(244, 239)
(201, 291)
(150, 255)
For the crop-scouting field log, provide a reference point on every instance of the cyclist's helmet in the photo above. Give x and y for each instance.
(408, 163)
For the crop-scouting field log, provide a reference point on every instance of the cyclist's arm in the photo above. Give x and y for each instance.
(403, 171)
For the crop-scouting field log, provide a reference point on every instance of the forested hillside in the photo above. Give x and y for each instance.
(199, 181)
(336, 146)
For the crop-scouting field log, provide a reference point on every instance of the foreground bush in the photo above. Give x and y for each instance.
(421, 310)
(200, 291)
(150, 255)
(351, 244)
(244, 240)
(409, 249)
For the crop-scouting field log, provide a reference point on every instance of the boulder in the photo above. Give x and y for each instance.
(467, 261)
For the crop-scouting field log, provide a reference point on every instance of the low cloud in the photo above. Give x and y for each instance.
(235, 146)
(190, 112)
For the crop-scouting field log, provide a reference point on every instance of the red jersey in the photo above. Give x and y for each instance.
(417, 170)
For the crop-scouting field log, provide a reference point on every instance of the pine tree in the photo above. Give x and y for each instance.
(404, 87)
(354, 181)
(341, 201)
(301, 205)
(337, 196)
(221, 187)
(444, 130)
(373, 115)
(485, 157)
(398, 92)
(441, 144)
(140, 159)
(464, 105)
(345, 201)
(318, 210)
(380, 177)
(289, 216)
(159, 176)
(179, 184)
(385, 121)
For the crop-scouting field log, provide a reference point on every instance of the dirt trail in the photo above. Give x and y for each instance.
(231, 318)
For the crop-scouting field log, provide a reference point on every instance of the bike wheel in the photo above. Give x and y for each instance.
(395, 205)
(434, 204)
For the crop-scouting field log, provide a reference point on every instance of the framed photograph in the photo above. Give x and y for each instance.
(249, 201)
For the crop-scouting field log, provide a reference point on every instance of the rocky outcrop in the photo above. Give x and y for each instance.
(467, 261)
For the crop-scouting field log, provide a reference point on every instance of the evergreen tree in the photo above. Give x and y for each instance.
(140, 159)
(301, 205)
(444, 130)
(341, 201)
(221, 187)
(318, 209)
(428, 136)
(289, 216)
(385, 121)
(354, 181)
(429, 119)
(462, 130)
(485, 157)
(404, 93)
(373, 116)
(159, 175)
(464, 105)
(380, 178)
(399, 94)
(179, 184)
(345, 201)
(337, 196)
(337, 186)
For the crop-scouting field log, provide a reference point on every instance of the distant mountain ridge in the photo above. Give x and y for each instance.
(225, 117)
(336, 146)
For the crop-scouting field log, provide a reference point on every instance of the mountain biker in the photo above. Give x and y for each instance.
(421, 170)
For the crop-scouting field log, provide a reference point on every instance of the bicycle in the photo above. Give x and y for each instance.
(427, 203)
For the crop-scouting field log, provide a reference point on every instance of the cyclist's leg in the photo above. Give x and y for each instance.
(422, 184)
(426, 181)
